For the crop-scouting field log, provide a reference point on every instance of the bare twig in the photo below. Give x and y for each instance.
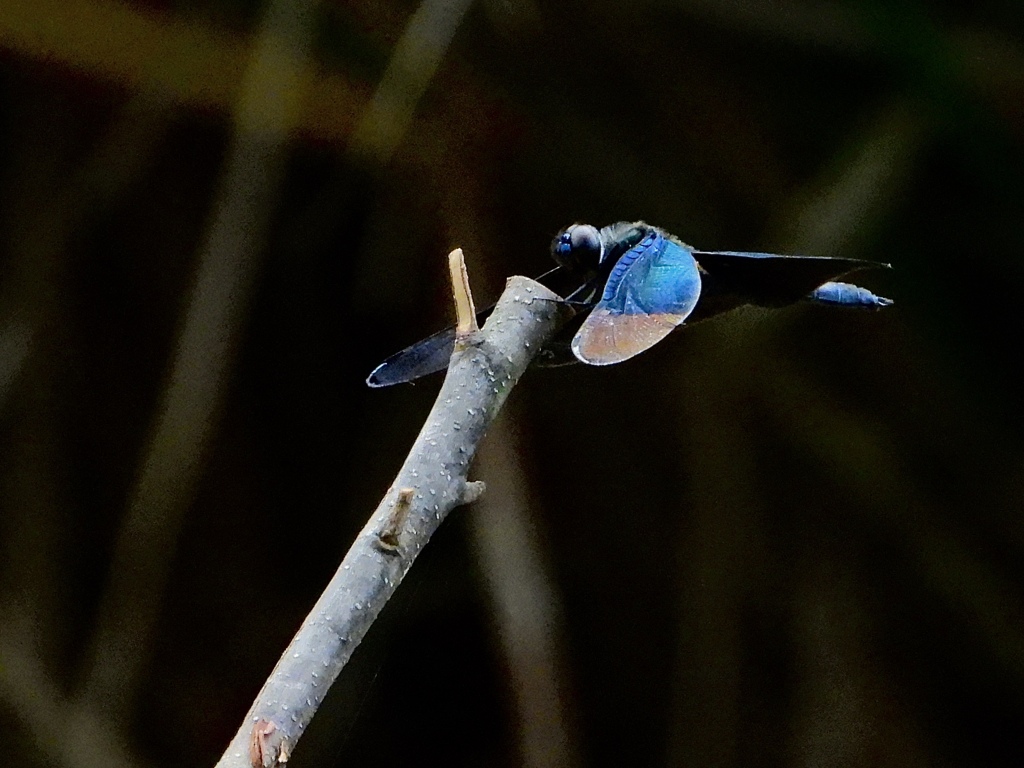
(433, 480)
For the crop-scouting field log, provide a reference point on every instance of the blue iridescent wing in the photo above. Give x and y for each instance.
(650, 291)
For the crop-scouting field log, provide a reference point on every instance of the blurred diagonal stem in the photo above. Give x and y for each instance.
(526, 606)
(45, 711)
(59, 207)
(269, 100)
(833, 215)
(412, 66)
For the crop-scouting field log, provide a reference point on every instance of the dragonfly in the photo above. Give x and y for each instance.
(632, 284)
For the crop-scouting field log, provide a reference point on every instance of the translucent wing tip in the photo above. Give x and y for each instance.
(374, 380)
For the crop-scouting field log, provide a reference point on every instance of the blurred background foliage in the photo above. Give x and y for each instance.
(777, 539)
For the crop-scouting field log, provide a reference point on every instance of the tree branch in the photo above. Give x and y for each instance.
(485, 366)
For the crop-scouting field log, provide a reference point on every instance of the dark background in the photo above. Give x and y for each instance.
(787, 538)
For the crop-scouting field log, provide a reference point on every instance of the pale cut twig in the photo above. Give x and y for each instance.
(433, 480)
(465, 312)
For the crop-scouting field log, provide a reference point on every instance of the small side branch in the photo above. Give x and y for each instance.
(389, 537)
(431, 482)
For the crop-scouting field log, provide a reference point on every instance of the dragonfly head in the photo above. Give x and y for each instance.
(578, 248)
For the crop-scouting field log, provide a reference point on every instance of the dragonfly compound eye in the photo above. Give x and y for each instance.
(578, 246)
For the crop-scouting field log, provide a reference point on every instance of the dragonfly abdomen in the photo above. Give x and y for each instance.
(848, 295)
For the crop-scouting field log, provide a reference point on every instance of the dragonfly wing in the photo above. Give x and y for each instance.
(432, 354)
(426, 356)
(651, 290)
(769, 279)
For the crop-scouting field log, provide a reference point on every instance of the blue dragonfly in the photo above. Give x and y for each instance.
(633, 284)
